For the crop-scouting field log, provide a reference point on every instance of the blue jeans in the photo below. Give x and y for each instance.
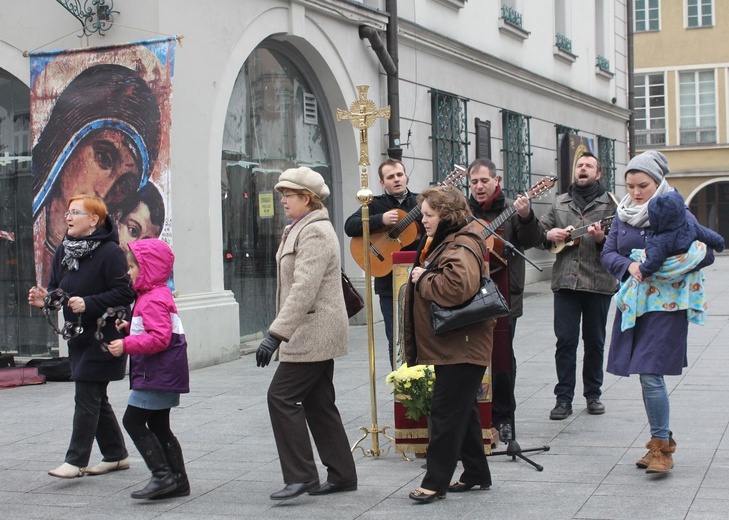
(571, 307)
(93, 418)
(657, 406)
(386, 308)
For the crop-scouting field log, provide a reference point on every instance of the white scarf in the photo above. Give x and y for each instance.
(637, 214)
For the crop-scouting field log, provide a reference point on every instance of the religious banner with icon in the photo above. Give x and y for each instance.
(100, 125)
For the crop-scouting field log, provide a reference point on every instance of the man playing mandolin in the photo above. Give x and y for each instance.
(386, 210)
(582, 287)
(488, 202)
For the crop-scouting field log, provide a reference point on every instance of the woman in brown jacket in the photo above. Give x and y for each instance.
(448, 271)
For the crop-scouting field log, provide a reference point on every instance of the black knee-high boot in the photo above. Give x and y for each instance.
(162, 481)
(173, 451)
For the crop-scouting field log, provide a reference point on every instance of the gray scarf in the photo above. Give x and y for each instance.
(637, 215)
(75, 249)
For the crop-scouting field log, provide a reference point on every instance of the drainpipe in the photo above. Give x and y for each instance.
(631, 83)
(389, 61)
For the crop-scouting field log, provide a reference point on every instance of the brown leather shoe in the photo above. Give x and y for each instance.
(644, 462)
(661, 456)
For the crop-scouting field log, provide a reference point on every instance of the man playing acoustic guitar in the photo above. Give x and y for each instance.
(386, 210)
(582, 287)
(487, 202)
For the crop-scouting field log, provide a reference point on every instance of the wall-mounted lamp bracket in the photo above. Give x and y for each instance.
(95, 16)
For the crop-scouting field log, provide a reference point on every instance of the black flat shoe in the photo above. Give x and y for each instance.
(424, 498)
(294, 490)
(329, 487)
(460, 487)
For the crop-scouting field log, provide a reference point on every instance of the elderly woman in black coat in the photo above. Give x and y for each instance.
(89, 275)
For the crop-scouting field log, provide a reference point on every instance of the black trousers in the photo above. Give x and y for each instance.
(571, 307)
(302, 394)
(455, 428)
(93, 418)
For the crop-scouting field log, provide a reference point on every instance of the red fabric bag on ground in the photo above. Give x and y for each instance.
(11, 377)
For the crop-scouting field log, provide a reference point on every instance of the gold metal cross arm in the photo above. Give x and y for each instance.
(363, 114)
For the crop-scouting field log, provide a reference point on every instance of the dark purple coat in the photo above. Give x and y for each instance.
(658, 342)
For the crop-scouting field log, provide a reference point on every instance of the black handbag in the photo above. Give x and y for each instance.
(352, 299)
(487, 303)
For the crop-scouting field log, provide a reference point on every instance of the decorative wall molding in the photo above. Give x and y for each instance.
(453, 4)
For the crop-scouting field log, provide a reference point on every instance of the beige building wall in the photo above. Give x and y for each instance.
(675, 48)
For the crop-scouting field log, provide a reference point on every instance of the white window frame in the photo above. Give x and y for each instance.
(646, 18)
(651, 123)
(699, 16)
(699, 99)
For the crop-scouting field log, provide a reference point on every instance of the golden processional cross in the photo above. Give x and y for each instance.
(363, 114)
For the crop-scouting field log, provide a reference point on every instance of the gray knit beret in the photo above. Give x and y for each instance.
(650, 162)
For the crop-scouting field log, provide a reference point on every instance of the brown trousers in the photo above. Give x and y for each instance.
(301, 394)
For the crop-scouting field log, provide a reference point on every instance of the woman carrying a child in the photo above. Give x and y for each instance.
(655, 343)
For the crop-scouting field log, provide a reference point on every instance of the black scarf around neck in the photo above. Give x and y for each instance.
(584, 195)
(445, 228)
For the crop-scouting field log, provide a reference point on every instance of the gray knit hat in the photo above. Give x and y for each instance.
(651, 163)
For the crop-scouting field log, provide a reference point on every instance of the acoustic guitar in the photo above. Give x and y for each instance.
(536, 191)
(393, 238)
(576, 233)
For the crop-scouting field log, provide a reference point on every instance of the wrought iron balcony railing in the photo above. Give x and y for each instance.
(563, 43)
(603, 63)
(511, 16)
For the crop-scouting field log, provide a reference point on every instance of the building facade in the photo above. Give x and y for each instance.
(256, 88)
(682, 96)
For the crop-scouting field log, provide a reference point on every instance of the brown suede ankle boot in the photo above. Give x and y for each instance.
(661, 456)
(646, 460)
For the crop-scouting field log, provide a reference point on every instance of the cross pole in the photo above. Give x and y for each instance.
(363, 114)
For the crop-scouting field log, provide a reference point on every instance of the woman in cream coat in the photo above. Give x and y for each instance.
(310, 329)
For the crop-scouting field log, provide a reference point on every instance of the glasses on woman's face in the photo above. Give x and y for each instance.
(73, 213)
(287, 196)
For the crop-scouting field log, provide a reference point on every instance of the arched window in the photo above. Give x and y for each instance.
(274, 122)
(23, 331)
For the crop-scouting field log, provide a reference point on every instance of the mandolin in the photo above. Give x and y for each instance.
(536, 191)
(576, 233)
(393, 238)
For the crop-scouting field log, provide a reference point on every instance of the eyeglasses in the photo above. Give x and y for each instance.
(287, 196)
(73, 213)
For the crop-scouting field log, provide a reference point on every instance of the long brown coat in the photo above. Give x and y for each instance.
(311, 316)
(452, 280)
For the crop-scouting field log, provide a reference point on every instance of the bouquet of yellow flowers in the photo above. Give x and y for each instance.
(413, 388)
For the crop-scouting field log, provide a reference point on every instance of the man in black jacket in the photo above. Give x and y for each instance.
(487, 202)
(383, 213)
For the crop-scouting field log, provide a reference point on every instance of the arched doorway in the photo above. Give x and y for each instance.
(274, 122)
(23, 331)
(710, 204)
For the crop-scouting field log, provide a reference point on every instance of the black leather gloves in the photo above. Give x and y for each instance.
(266, 349)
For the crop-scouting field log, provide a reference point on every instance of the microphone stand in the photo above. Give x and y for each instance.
(513, 449)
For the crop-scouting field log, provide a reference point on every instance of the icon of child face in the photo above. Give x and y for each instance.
(137, 224)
